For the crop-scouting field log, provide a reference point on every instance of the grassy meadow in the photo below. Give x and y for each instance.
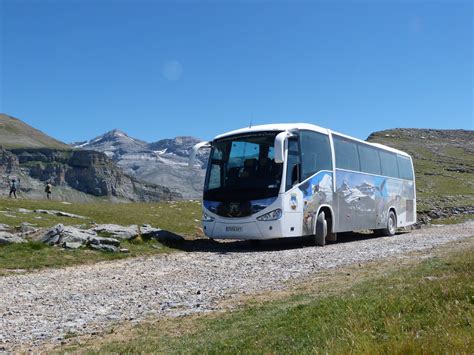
(425, 306)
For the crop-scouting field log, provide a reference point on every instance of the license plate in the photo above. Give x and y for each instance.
(233, 229)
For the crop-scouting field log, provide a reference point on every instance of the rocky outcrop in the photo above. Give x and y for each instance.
(9, 163)
(73, 238)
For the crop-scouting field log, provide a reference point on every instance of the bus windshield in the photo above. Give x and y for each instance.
(242, 167)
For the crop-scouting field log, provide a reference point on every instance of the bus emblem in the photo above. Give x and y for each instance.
(293, 201)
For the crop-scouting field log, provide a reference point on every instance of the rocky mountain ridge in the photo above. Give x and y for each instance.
(164, 162)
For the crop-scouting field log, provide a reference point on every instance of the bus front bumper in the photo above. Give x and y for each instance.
(243, 231)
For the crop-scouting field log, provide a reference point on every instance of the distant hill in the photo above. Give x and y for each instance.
(444, 165)
(164, 162)
(15, 133)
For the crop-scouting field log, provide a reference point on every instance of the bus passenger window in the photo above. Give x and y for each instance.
(315, 153)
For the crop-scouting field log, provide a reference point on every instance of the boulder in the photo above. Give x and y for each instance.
(60, 234)
(104, 241)
(27, 228)
(72, 245)
(5, 228)
(147, 231)
(105, 247)
(9, 238)
(117, 231)
(73, 238)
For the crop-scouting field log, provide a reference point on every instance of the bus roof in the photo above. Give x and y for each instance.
(275, 127)
(303, 126)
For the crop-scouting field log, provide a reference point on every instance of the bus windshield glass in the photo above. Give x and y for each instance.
(242, 167)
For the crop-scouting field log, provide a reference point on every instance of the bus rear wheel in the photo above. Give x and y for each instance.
(321, 231)
(391, 225)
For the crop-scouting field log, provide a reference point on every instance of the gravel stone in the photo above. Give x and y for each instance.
(46, 305)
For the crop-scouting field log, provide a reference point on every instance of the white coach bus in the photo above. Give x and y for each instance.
(289, 180)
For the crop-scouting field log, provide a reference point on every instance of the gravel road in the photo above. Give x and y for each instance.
(45, 306)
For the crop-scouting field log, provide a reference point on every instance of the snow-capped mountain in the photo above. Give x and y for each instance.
(162, 162)
(113, 143)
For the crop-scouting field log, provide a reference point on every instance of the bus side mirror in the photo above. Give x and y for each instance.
(280, 147)
(192, 155)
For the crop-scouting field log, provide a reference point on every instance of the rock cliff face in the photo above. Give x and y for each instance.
(89, 172)
(8, 162)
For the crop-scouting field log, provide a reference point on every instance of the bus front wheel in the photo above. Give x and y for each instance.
(321, 229)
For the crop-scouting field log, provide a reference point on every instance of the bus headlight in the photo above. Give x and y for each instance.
(271, 216)
(207, 218)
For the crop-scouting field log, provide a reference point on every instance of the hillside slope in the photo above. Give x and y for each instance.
(15, 133)
(444, 166)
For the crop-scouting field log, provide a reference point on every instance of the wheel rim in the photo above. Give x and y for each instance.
(391, 224)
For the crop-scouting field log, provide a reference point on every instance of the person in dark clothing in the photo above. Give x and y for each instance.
(47, 189)
(13, 187)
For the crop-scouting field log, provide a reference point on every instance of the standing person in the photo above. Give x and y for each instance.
(13, 187)
(47, 189)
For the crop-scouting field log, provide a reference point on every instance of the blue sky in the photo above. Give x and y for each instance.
(158, 69)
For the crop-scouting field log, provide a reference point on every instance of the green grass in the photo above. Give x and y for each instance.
(428, 308)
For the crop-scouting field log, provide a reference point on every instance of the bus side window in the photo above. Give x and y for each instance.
(293, 165)
(315, 153)
(388, 162)
(347, 155)
(369, 159)
(404, 168)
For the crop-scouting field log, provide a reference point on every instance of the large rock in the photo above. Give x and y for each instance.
(9, 238)
(105, 247)
(117, 231)
(104, 241)
(5, 228)
(27, 228)
(73, 238)
(61, 234)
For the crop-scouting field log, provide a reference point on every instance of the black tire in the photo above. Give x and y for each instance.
(391, 228)
(321, 230)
